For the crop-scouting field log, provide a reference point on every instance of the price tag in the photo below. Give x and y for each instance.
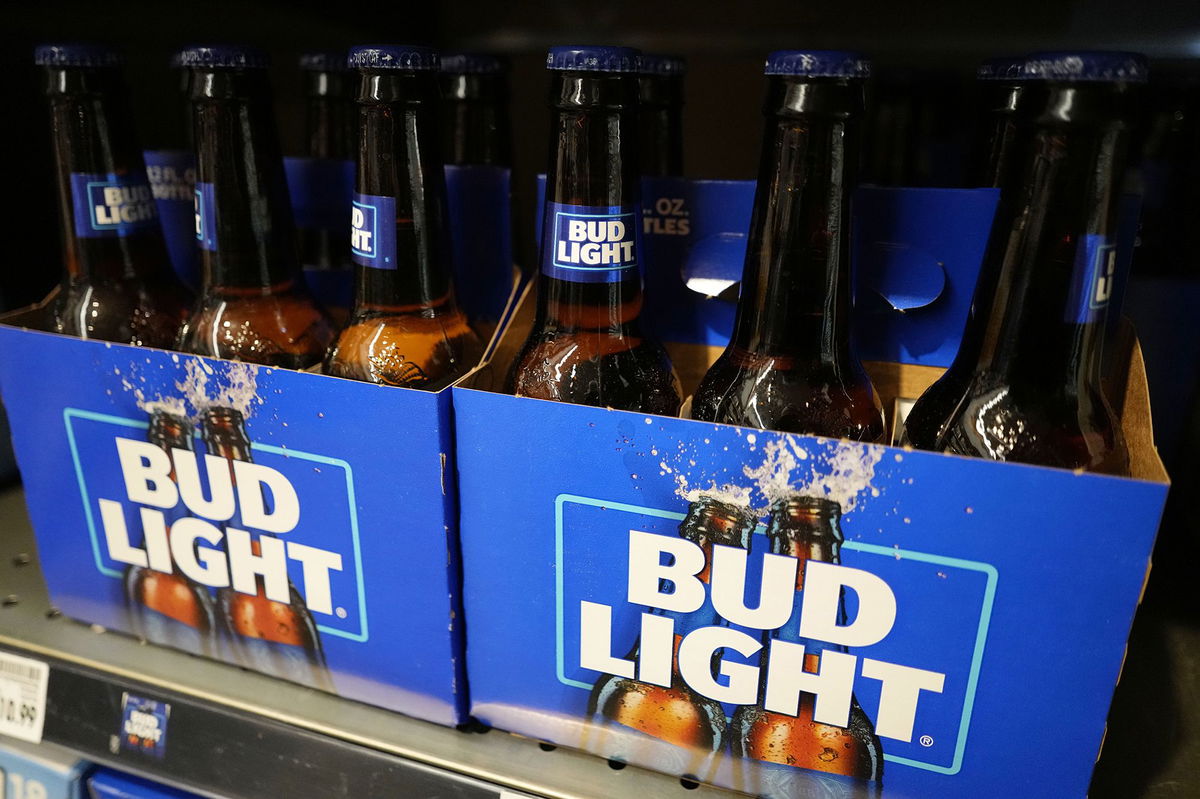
(22, 697)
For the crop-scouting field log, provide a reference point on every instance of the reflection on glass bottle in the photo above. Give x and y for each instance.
(677, 714)
(273, 637)
(850, 758)
(169, 608)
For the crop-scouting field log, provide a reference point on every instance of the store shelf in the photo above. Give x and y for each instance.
(236, 733)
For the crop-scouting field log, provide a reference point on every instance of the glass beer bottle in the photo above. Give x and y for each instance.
(790, 748)
(1032, 393)
(167, 607)
(253, 306)
(119, 284)
(1002, 142)
(475, 120)
(587, 345)
(675, 713)
(405, 328)
(276, 638)
(329, 131)
(661, 115)
(790, 364)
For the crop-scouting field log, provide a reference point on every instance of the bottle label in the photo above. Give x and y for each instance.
(172, 175)
(373, 231)
(206, 216)
(1093, 279)
(320, 190)
(590, 244)
(111, 205)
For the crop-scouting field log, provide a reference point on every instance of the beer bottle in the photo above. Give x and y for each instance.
(273, 637)
(118, 284)
(675, 713)
(329, 127)
(1002, 143)
(253, 305)
(587, 345)
(475, 121)
(661, 116)
(167, 607)
(405, 328)
(790, 364)
(1031, 393)
(807, 528)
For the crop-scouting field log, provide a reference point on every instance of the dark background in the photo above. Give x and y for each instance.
(924, 56)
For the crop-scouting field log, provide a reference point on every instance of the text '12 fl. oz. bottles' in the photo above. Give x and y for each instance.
(587, 345)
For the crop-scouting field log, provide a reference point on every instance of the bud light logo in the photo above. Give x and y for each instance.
(587, 244)
(1093, 280)
(111, 205)
(144, 725)
(373, 231)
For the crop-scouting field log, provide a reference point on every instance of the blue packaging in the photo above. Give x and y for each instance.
(107, 783)
(45, 771)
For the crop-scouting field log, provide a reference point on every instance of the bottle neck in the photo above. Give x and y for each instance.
(997, 162)
(591, 273)
(476, 124)
(109, 219)
(244, 216)
(661, 116)
(806, 536)
(1046, 319)
(796, 292)
(329, 116)
(401, 189)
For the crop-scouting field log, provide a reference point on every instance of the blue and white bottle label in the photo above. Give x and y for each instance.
(591, 244)
(172, 175)
(373, 231)
(111, 205)
(206, 216)
(1093, 279)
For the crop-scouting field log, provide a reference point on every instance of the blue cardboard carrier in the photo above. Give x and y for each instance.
(977, 616)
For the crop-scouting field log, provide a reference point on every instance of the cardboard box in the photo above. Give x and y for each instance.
(978, 616)
(41, 771)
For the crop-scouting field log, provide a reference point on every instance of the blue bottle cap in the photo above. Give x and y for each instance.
(1006, 68)
(1109, 66)
(457, 63)
(656, 64)
(818, 64)
(323, 61)
(593, 59)
(76, 55)
(410, 57)
(223, 56)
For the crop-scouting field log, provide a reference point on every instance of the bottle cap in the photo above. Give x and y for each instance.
(77, 55)
(472, 64)
(223, 57)
(1006, 68)
(323, 61)
(818, 64)
(656, 64)
(1087, 65)
(593, 59)
(412, 58)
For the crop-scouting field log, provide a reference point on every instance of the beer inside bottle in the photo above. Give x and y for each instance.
(1032, 394)
(1003, 137)
(265, 634)
(668, 709)
(405, 328)
(475, 120)
(798, 755)
(167, 607)
(661, 114)
(790, 364)
(329, 134)
(118, 283)
(587, 345)
(253, 306)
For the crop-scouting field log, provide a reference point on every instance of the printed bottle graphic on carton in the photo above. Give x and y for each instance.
(677, 714)
(273, 637)
(169, 608)
(807, 528)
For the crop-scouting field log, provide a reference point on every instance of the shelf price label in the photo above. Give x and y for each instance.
(22, 697)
